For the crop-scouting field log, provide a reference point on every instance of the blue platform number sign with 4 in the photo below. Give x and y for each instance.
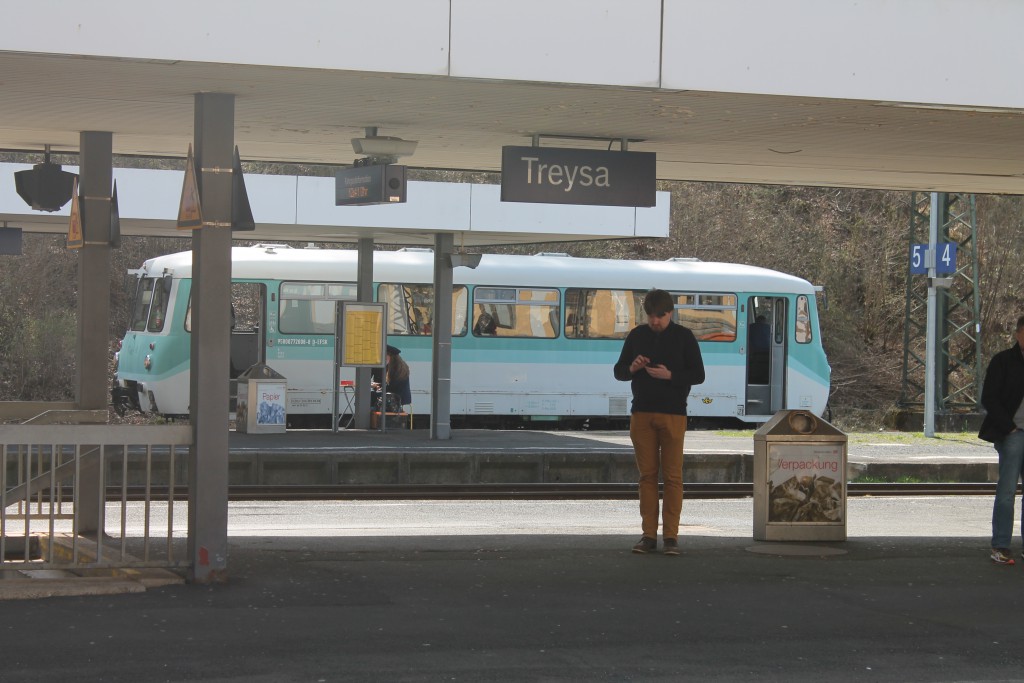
(945, 258)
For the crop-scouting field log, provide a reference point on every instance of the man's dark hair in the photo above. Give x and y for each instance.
(1020, 323)
(658, 301)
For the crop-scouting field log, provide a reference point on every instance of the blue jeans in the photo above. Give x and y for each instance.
(1011, 464)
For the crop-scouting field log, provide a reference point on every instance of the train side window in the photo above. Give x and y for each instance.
(308, 307)
(460, 297)
(711, 317)
(602, 313)
(411, 308)
(575, 300)
(143, 297)
(515, 312)
(402, 318)
(294, 317)
(804, 335)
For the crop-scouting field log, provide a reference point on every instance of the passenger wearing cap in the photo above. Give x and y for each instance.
(397, 376)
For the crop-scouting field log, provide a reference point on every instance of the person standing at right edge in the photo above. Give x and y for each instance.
(1002, 395)
(661, 360)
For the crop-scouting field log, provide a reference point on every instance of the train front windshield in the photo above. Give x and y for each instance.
(150, 309)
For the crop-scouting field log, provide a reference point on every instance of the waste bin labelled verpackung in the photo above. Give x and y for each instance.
(262, 401)
(799, 479)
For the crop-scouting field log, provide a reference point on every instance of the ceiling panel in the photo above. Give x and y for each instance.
(309, 116)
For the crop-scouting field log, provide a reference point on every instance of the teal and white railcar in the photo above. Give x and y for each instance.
(534, 338)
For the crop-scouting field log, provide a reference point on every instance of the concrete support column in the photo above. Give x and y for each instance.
(92, 383)
(364, 293)
(441, 375)
(211, 340)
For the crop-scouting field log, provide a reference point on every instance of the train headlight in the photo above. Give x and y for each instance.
(148, 362)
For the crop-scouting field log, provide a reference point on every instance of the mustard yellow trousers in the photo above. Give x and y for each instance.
(658, 447)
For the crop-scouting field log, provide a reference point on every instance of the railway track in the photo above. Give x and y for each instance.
(567, 491)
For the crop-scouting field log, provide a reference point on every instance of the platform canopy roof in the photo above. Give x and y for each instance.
(724, 91)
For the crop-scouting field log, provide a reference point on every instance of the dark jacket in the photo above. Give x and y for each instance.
(675, 348)
(1002, 393)
(398, 378)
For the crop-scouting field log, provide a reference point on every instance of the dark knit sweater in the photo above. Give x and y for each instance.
(675, 348)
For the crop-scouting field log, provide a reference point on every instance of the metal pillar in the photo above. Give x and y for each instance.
(92, 384)
(364, 293)
(211, 330)
(955, 349)
(441, 375)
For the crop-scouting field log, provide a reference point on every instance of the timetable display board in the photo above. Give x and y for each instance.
(362, 334)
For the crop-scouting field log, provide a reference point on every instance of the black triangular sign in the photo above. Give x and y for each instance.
(241, 212)
(115, 220)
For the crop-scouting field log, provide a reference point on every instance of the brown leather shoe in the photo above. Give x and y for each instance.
(646, 544)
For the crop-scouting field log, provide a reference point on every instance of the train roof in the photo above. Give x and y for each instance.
(416, 265)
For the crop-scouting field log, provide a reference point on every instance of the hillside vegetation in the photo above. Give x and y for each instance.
(852, 242)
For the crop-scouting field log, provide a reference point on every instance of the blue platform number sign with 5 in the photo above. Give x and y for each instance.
(945, 258)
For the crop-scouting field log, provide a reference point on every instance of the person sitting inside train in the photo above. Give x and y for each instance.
(486, 325)
(398, 384)
(760, 342)
(760, 334)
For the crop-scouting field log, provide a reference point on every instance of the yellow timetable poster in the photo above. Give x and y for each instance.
(363, 335)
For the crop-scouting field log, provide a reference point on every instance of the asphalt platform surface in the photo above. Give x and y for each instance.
(549, 591)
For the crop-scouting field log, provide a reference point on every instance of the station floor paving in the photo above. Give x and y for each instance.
(548, 591)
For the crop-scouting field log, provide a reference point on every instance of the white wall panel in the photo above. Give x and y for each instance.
(569, 41)
(428, 206)
(939, 51)
(490, 214)
(148, 194)
(154, 195)
(10, 202)
(656, 220)
(406, 36)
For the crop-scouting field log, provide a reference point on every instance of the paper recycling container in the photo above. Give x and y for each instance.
(262, 401)
(799, 479)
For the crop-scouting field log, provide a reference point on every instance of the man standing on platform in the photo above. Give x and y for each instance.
(1003, 399)
(662, 361)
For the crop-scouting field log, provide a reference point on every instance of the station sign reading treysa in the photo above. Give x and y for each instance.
(556, 175)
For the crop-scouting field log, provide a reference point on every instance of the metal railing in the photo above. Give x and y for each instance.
(93, 496)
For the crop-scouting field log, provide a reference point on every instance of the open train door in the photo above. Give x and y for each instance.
(248, 331)
(766, 355)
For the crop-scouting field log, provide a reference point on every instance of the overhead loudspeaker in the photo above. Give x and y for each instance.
(45, 187)
(394, 183)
